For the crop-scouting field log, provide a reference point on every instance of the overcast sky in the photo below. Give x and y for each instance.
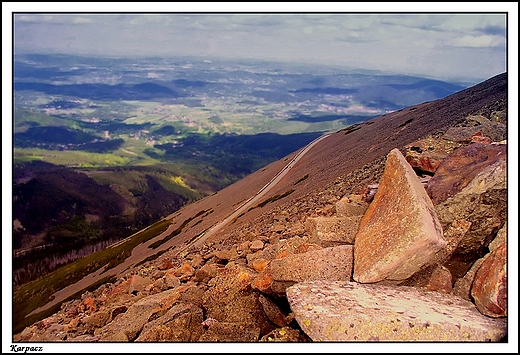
(442, 45)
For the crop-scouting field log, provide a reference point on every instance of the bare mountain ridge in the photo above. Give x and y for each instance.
(344, 162)
(358, 150)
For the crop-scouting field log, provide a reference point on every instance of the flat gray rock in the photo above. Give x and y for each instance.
(348, 311)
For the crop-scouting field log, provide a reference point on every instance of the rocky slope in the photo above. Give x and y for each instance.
(394, 229)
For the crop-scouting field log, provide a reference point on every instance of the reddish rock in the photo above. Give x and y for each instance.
(500, 238)
(206, 272)
(427, 154)
(453, 235)
(165, 264)
(185, 269)
(490, 285)
(440, 280)
(119, 293)
(259, 264)
(351, 206)
(399, 232)
(138, 283)
(460, 134)
(243, 248)
(96, 320)
(272, 311)
(185, 272)
(158, 285)
(460, 167)
(331, 231)
(480, 138)
(192, 294)
(305, 247)
(89, 301)
(128, 325)
(274, 250)
(283, 254)
(483, 203)
(479, 125)
(226, 255)
(171, 280)
(256, 245)
(231, 332)
(74, 322)
(117, 310)
(333, 263)
(233, 300)
(262, 282)
(462, 287)
(277, 227)
(90, 304)
(181, 323)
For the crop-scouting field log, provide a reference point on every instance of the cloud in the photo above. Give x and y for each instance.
(484, 41)
(354, 37)
(493, 30)
(53, 19)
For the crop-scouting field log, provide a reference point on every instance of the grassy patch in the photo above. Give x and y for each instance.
(77, 159)
(37, 293)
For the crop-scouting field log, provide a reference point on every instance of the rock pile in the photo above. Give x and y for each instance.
(425, 260)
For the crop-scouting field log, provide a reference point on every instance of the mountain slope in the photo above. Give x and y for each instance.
(350, 149)
(344, 161)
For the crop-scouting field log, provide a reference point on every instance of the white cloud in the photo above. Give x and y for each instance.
(484, 41)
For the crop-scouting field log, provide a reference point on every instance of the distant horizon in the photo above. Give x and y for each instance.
(456, 46)
(255, 61)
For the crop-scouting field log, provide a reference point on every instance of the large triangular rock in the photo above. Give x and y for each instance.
(349, 311)
(400, 232)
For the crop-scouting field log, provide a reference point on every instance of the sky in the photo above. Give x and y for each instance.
(437, 42)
